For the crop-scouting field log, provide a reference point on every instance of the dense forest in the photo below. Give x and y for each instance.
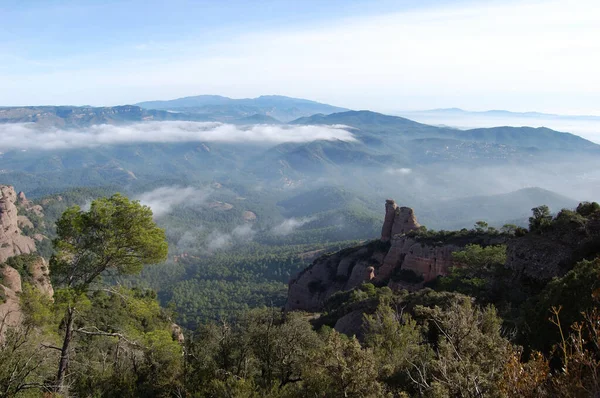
(218, 263)
(479, 331)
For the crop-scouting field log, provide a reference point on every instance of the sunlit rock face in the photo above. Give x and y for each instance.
(375, 262)
(398, 220)
(12, 241)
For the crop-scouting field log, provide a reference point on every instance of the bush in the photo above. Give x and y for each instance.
(21, 263)
(586, 209)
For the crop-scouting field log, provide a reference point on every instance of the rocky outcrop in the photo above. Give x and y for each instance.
(544, 255)
(426, 261)
(11, 284)
(12, 242)
(249, 216)
(29, 206)
(351, 324)
(378, 262)
(398, 220)
(177, 333)
(40, 276)
(331, 273)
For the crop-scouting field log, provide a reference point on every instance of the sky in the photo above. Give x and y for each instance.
(528, 55)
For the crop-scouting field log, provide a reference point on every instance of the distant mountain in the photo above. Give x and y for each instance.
(373, 126)
(373, 121)
(227, 109)
(540, 137)
(586, 126)
(84, 116)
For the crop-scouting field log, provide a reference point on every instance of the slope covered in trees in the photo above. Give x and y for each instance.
(482, 330)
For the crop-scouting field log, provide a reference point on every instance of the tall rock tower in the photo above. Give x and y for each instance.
(398, 220)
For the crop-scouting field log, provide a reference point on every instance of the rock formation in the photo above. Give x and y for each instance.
(28, 205)
(12, 284)
(12, 242)
(543, 256)
(378, 261)
(370, 273)
(398, 220)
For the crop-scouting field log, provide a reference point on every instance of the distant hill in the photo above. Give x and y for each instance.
(372, 125)
(370, 121)
(227, 109)
(83, 116)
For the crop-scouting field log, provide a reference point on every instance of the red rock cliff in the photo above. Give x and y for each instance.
(349, 268)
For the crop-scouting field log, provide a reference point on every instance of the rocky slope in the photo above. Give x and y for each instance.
(552, 252)
(14, 243)
(378, 261)
(406, 258)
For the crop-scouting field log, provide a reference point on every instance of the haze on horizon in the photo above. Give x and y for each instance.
(385, 55)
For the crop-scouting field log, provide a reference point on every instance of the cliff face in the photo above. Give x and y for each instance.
(11, 284)
(12, 242)
(398, 220)
(377, 261)
(553, 252)
(407, 261)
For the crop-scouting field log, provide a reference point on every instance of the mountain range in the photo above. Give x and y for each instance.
(277, 107)
(423, 165)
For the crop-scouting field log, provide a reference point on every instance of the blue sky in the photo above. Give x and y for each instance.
(381, 55)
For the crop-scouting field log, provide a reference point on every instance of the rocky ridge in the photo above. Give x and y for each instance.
(405, 258)
(13, 243)
(378, 261)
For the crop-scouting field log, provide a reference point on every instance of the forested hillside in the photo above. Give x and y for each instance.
(485, 326)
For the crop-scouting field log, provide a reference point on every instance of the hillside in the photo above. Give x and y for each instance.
(370, 123)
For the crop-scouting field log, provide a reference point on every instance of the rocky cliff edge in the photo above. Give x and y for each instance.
(379, 262)
(14, 243)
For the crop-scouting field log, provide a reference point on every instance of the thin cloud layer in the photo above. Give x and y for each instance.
(30, 136)
(401, 171)
(290, 225)
(162, 200)
(217, 240)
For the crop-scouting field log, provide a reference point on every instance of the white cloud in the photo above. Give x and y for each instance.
(30, 136)
(217, 240)
(189, 239)
(290, 225)
(162, 200)
(243, 232)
